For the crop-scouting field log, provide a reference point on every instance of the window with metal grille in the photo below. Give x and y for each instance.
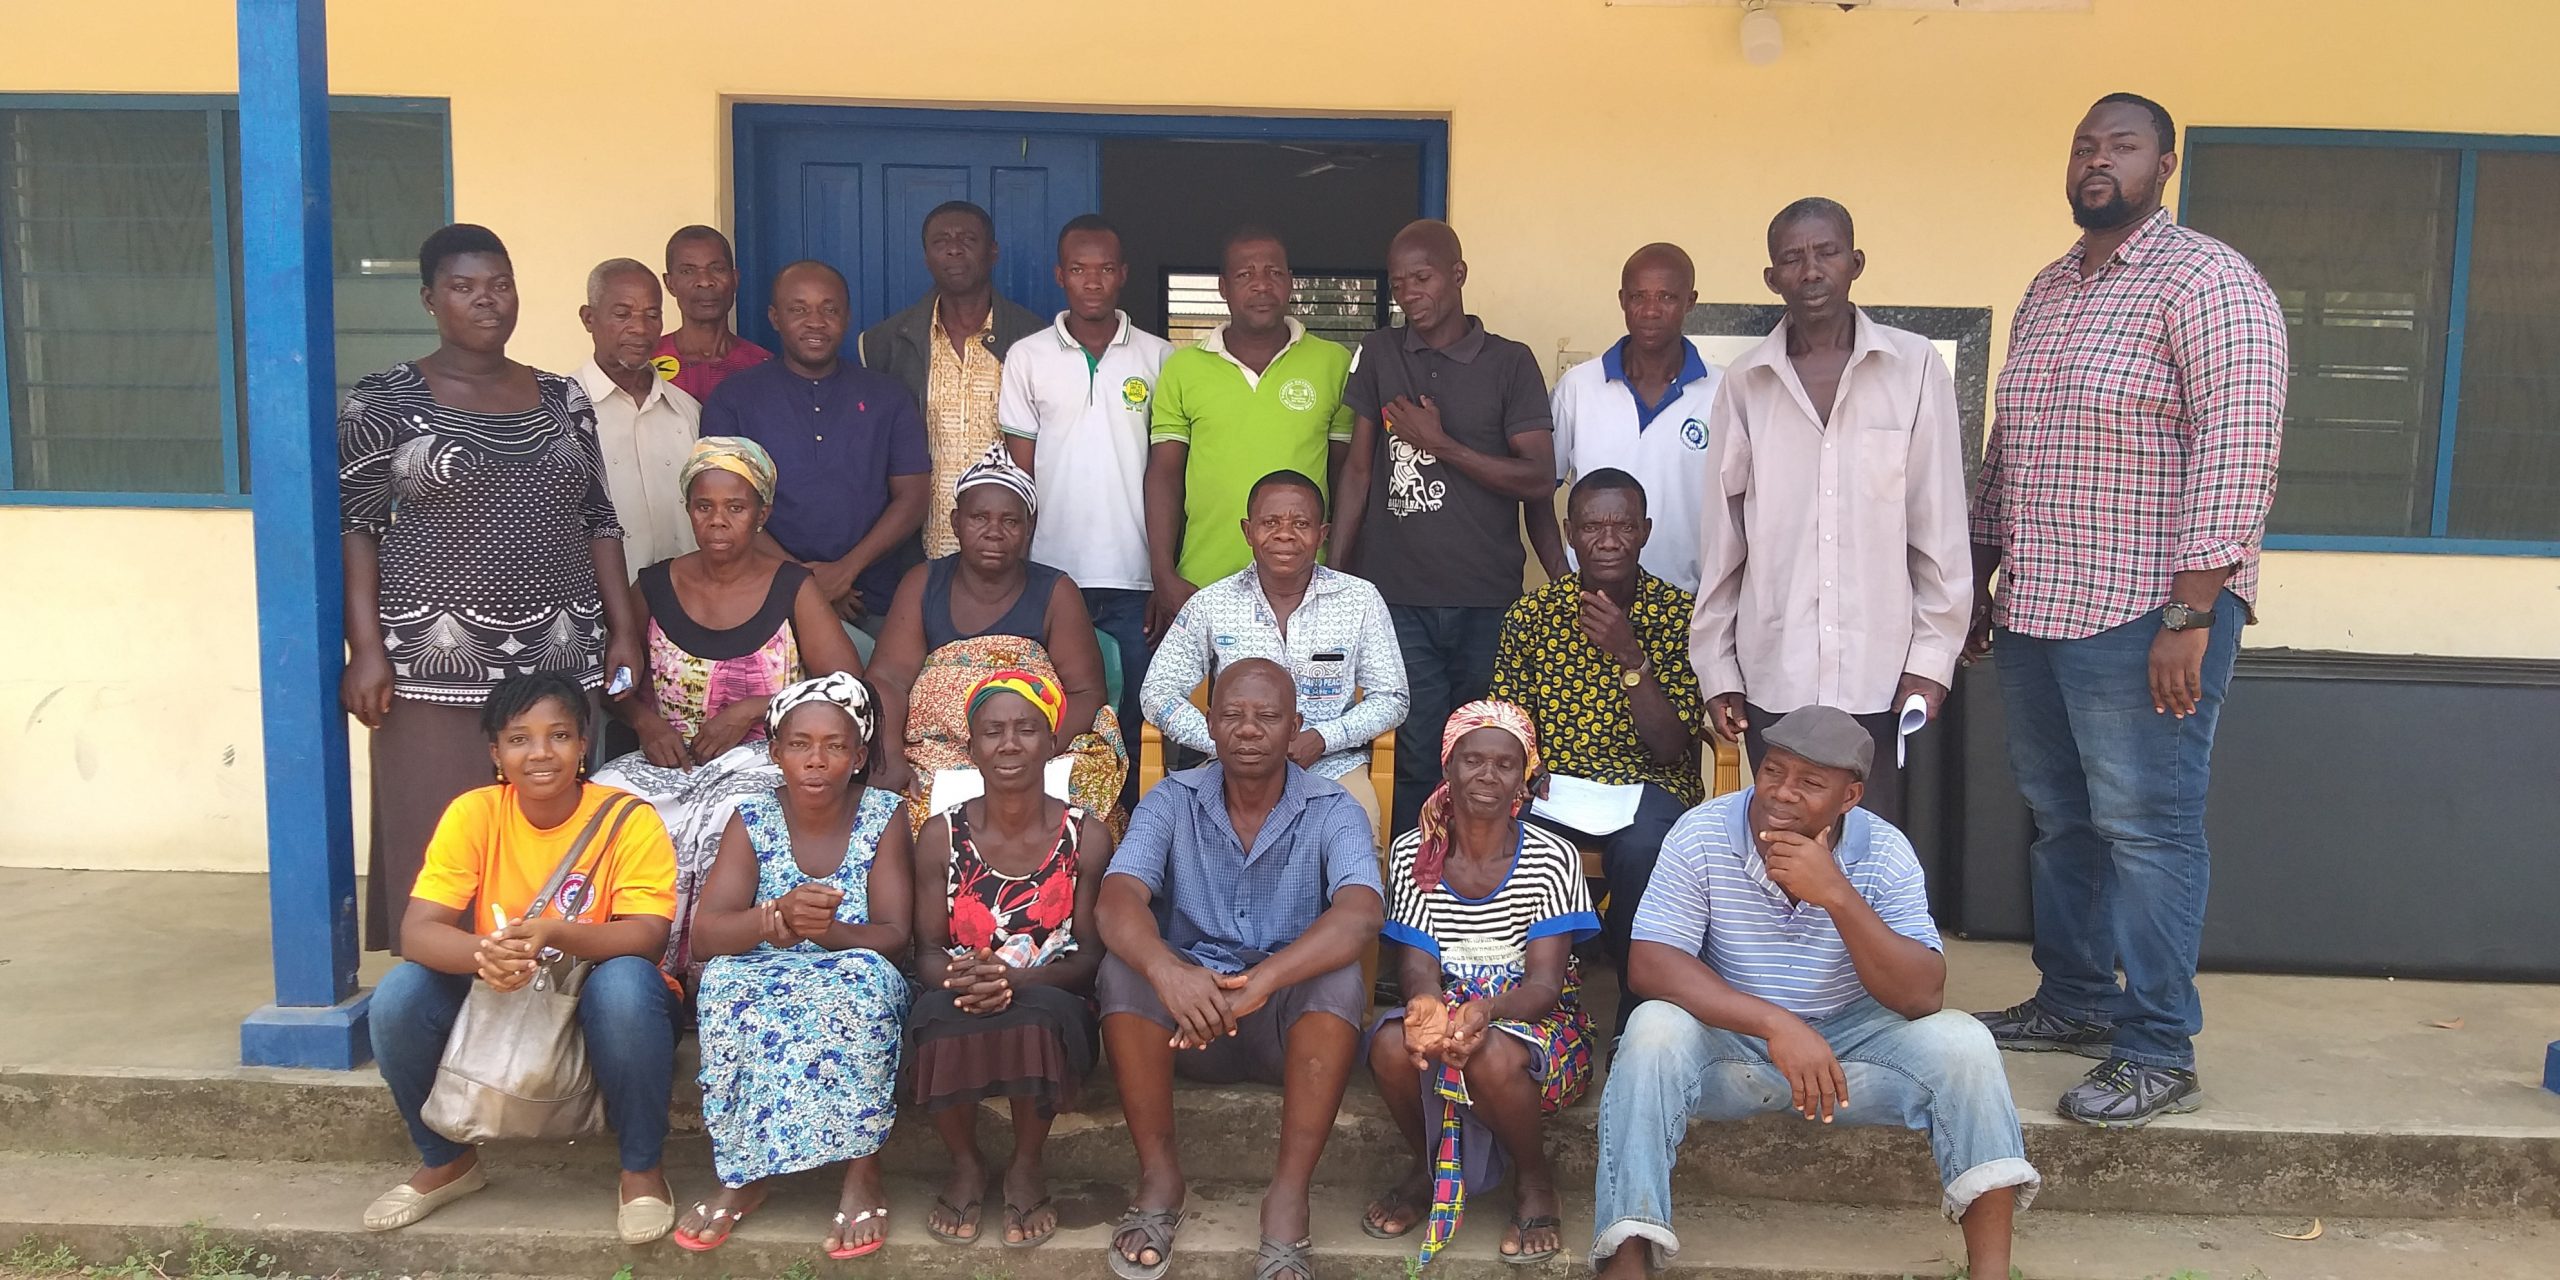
(120, 284)
(1341, 305)
(2422, 302)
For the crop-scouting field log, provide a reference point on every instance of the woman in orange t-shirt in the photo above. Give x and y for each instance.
(472, 916)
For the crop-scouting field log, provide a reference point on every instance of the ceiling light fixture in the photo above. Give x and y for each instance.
(1762, 39)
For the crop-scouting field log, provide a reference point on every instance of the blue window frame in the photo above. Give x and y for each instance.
(2424, 412)
(120, 307)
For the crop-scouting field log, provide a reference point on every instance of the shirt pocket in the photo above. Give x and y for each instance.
(1324, 685)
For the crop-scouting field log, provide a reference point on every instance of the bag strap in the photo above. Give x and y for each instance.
(618, 807)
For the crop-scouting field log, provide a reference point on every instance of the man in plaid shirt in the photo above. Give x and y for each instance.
(2123, 494)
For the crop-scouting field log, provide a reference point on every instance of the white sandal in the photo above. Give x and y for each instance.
(643, 1219)
(405, 1204)
(845, 1226)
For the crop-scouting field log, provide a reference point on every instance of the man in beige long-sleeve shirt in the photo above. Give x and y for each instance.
(1836, 569)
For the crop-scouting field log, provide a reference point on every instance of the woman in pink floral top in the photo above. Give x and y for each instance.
(1006, 952)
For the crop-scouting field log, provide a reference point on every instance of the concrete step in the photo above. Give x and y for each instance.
(554, 1222)
(2196, 1164)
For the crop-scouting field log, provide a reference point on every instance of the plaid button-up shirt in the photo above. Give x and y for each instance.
(2134, 433)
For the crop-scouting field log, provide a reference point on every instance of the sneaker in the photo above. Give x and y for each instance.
(2122, 1094)
(2031, 1028)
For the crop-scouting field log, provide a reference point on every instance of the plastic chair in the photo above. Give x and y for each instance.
(1382, 765)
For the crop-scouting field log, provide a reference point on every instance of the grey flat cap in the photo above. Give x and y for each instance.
(1826, 736)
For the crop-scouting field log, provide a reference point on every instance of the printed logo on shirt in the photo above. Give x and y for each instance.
(572, 898)
(667, 366)
(1409, 491)
(1694, 434)
(1298, 394)
(1133, 393)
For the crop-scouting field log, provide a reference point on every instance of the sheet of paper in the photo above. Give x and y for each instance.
(952, 787)
(1915, 717)
(1593, 808)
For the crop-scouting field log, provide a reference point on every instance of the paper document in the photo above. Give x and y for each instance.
(953, 787)
(1915, 717)
(1593, 808)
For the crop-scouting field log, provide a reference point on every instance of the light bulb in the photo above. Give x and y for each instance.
(1762, 39)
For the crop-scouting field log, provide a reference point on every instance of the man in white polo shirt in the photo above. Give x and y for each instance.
(1788, 963)
(1073, 406)
(1642, 408)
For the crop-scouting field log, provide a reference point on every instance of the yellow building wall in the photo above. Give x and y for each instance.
(585, 129)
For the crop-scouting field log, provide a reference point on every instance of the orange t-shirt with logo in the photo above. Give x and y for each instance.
(485, 853)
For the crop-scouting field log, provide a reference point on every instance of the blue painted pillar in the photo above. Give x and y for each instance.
(318, 1018)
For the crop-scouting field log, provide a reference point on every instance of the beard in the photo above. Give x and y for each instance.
(2106, 215)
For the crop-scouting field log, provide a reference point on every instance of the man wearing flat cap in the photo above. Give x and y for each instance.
(1787, 962)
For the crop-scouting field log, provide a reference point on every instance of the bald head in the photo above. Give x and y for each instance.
(810, 270)
(1435, 241)
(1254, 677)
(1666, 257)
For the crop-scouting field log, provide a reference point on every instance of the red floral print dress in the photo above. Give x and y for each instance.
(1028, 920)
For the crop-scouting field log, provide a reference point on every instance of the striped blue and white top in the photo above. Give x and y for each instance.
(1711, 895)
(1486, 940)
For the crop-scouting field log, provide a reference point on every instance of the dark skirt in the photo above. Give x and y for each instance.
(1040, 1047)
(424, 755)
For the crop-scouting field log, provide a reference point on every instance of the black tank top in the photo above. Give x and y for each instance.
(1028, 618)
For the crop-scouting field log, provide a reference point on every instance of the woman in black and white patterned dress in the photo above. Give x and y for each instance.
(475, 528)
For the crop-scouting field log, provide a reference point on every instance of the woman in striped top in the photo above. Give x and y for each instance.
(1482, 914)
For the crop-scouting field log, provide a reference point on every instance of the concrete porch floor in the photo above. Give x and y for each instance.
(153, 971)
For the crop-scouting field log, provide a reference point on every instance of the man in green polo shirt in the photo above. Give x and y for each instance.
(1258, 395)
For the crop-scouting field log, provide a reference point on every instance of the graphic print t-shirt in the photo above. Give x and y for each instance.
(1433, 537)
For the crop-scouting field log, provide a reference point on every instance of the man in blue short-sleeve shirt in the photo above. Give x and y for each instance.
(1236, 913)
(850, 466)
(1787, 962)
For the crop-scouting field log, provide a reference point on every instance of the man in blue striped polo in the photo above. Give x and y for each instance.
(1788, 963)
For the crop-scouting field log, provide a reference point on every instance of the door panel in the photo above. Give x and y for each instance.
(856, 197)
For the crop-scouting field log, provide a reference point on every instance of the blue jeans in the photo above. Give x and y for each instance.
(2118, 868)
(626, 1011)
(1122, 615)
(1448, 663)
(1941, 1074)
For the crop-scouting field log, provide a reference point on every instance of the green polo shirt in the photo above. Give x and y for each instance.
(1240, 428)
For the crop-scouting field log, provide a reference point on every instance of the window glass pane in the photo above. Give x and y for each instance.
(2358, 243)
(107, 277)
(2506, 462)
(386, 194)
(1343, 308)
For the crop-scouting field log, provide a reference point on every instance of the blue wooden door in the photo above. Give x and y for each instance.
(856, 197)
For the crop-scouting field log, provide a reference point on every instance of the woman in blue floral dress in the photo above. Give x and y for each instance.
(802, 1007)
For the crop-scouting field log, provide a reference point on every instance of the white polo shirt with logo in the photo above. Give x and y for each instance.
(1089, 417)
(1599, 425)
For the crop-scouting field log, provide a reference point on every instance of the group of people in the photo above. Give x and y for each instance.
(871, 638)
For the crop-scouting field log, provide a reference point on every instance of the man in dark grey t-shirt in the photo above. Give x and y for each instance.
(1429, 506)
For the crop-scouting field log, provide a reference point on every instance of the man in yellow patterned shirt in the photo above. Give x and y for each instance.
(948, 350)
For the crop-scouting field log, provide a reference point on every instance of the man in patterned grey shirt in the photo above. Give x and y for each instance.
(1328, 630)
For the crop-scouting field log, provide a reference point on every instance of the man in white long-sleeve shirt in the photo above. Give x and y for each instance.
(1836, 566)
(1330, 631)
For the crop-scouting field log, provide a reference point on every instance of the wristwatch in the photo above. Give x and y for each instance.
(1633, 676)
(2178, 617)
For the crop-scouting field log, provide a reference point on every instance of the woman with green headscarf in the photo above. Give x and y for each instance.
(729, 625)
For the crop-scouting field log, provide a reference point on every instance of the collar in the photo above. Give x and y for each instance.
(1866, 338)
(1209, 793)
(1570, 586)
(1067, 341)
(2135, 246)
(1464, 350)
(1325, 582)
(1613, 366)
(600, 386)
(986, 334)
(1217, 340)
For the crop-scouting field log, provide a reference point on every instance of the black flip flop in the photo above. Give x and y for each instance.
(1017, 1219)
(1394, 1198)
(968, 1214)
(1156, 1229)
(1524, 1258)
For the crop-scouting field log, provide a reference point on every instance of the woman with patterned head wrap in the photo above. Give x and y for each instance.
(1482, 914)
(1006, 951)
(986, 608)
(729, 624)
(804, 916)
